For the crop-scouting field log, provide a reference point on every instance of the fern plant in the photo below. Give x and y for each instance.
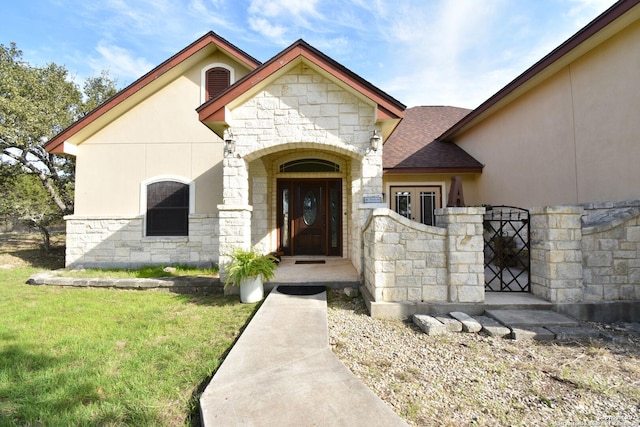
(249, 263)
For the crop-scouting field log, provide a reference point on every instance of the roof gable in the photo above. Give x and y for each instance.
(615, 19)
(213, 112)
(115, 103)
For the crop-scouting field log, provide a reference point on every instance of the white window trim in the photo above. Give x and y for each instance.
(203, 78)
(160, 178)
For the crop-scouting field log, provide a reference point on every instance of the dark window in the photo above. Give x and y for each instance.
(167, 209)
(310, 165)
(218, 79)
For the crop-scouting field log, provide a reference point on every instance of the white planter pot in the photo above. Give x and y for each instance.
(251, 289)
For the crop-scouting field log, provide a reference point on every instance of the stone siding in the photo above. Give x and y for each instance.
(611, 251)
(586, 253)
(408, 261)
(107, 242)
(556, 253)
(304, 113)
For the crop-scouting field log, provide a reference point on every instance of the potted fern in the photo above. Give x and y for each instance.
(248, 269)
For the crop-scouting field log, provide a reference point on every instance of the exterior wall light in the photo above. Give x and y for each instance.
(229, 142)
(375, 140)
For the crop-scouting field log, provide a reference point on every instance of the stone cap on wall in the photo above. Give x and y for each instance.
(386, 212)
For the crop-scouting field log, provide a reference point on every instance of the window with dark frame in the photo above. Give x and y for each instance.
(167, 209)
(217, 80)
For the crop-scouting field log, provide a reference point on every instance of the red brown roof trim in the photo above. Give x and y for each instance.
(213, 110)
(606, 18)
(55, 145)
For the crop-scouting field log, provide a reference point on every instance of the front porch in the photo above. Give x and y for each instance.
(332, 272)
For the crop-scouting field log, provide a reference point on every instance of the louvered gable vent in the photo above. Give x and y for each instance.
(218, 79)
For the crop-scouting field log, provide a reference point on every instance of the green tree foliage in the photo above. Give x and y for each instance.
(23, 199)
(36, 103)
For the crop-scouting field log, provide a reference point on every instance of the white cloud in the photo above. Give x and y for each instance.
(462, 52)
(272, 31)
(585, 10)
(281, 19)
(120, 62)
(275, 8)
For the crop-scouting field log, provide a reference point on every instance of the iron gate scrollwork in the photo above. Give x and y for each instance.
(506, 249)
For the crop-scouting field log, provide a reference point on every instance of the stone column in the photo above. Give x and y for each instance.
(556, 253)
(465, 252)
(235, 212)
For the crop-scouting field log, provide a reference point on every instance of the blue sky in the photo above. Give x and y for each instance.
(422, 52)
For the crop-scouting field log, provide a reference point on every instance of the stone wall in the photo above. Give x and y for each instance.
(556, 253)
(107, 242)
(611, 251)
(408, 261)
(586, 253)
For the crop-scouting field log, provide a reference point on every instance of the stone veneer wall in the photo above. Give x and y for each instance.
(106, 242)
(586, 253)
(611, 251)
(556, 253)
(408, 261)
(302, 111)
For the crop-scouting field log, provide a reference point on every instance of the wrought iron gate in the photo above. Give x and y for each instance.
(506, 249)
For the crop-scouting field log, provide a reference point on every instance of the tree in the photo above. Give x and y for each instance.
(36, 103)
(25, 200)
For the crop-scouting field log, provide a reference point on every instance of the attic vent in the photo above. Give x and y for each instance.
(218, 79)
(310, 165)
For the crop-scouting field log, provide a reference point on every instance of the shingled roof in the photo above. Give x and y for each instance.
(413, 146)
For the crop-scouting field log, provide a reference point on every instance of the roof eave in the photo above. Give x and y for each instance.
(57, 143)
(213, 112)
(517, 86)
(445, 170)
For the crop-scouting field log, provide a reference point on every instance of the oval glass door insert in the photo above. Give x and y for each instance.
(309, 208)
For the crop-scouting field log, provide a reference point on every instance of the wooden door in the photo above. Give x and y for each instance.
(309, 213)
(310, 216)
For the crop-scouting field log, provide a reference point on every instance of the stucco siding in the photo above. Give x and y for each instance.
(527, 149)
(160, 136)
(108, 179)
(574, 138)
(606, 98)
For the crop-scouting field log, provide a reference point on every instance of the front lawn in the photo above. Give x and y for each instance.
(107, 357)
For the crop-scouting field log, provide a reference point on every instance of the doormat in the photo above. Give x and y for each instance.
(300, 290)
(310, 261)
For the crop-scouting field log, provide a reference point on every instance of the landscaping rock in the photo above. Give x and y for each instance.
(351, 292)
(493, 328)
(429, 325)
(537, 333)
(450, 323)
(469, 324)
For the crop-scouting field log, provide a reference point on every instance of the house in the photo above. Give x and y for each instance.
(212, 150)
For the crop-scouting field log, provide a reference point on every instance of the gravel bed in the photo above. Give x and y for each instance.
(461, 379)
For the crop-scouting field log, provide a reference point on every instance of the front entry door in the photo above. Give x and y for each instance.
(310, 216)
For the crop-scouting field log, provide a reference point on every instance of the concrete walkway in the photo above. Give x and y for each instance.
(282, 372)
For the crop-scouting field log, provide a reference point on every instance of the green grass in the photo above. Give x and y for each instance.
(140, 273)
(108, 357)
